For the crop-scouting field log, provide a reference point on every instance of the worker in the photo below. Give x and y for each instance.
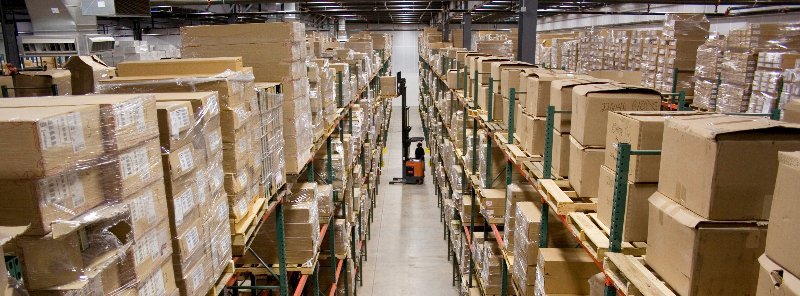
(419, 153)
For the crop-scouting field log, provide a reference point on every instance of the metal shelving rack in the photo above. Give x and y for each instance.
(282, 277)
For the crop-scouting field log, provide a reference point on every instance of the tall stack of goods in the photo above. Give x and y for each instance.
(719, 209)
(285, 63)
(682, 35)
(86, 176)
(707, 73)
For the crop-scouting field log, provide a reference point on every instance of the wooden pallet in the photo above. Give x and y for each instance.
(242, 231)
(632, 277)
(222, 281)
(594, 235)
(302, 268)
(563, 198)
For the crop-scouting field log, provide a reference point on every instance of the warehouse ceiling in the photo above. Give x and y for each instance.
(320, 12)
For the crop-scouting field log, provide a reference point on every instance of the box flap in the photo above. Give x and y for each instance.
(692, 220)
(780, 278)
(615, 88)
(9, 232)
(711, 126)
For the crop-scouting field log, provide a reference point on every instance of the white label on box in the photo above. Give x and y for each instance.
(242, 178)
(186, 160)
(202, 191)
(178, 119)
(141, 250)
(128, 113)
(241, 206)
(58, 189)
(76, 190)
(192, 239)
(217, 178)
(242, 145)
(75, 126)
(128, 165)
(222, 211)
(213, 107)
(54, 10)
(214, 140)
(183, 204)
(198, 278)
(101, 4)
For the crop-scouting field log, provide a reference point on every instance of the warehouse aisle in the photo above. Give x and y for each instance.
(407, 254)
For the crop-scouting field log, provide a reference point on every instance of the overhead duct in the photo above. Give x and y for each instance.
(69, 27)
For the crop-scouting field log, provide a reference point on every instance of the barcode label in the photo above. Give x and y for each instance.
(214, 140)
(75, 126)
(134, 162)
(183, 204)
(57, 190)
(192, 239)
(143, 207)
(186, 160)
(212, 107)
(178, 120)
(58, 131)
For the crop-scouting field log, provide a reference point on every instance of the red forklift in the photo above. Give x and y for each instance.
(413, 168)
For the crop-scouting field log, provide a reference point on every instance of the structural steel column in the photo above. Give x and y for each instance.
(526, 48)
(467, 30)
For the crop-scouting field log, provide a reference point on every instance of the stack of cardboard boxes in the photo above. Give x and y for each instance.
(779, 266)
(682, 35)
(270, 104)
(95, 181)
(652, 56)
(564, 272)
(285, 64)
(715, 210)
(591, 104)
(526, 227)
(706, 73)
(770, 68)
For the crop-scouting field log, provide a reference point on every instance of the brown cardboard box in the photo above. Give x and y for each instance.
(48, 140)
(497, 75)
(643, 130)
(635, 224)
(160, 282)
(388, 85)
(179, 67)
(205, 104)
(453, 79)
(627, 77)
(75, 250)
(782, 239)
(150, 251)
(85, 72)
(126, 120)
(40, 202)
(42, 82)
(560, 155)
(561, 99)
(233, 121)
(188, 247)
(702, 265)
(510, 78)
(791, 111)
(175, 123)
(197, 280)
(538, 90)
(773, 280)
(239, 154)
(584, 168)
(484, 67)
(565, 271)
(243, 33)
(148, 208)
(128, 171)
(733, 161)
(592, 102)
(536, 141)
(182, 204)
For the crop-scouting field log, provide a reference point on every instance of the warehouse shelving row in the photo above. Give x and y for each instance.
(244, 279)
(625, 272)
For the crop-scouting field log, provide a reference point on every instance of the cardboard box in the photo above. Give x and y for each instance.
(150, 251)
(782, 239)
(560, 156)
(180, 67)
(702, 265)
(160, 282)
(388, 86)
(39, 83)
(73, 251)
(791, 111)
(175, 123)
(148, 208)
(773, 280)
(561, 99)
(635, 223)
(538, 90)
(733, 161)
(243, 33)
(48, 140)
(205, 104)
(85, 72)
(592, 102)
(197, 280)
(125, 120)
(643, 130)
(182, 204)
(128, 171)
(564, 271)
(627, 77)
(584, 168)
(510, 78)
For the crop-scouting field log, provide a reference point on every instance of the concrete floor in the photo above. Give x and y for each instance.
(407, 253)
